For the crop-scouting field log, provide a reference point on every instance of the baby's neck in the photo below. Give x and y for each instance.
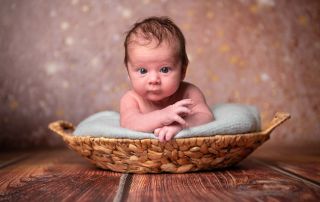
(161, 103)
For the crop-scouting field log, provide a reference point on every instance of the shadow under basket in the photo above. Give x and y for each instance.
(175, 156)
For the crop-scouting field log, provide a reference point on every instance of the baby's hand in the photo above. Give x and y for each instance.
(167, 132)
(175, 112)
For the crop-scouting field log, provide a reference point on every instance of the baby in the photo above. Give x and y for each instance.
(160, 101)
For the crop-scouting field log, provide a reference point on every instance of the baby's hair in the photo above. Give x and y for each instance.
(159, 28)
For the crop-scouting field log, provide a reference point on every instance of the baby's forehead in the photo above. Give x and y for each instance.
(137, 40)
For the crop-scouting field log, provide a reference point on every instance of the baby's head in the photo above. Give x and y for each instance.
(155, 58)
(157, 30)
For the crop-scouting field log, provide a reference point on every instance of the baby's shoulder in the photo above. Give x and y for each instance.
(189, 88)
(191, 91)
(129, 96)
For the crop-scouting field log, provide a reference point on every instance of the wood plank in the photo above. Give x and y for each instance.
(248, 181)
(302, 162)
(309, 170)
(56, 175)
(9, 158)
(63, 175)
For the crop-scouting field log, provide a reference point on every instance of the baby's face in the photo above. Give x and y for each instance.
(154, 71)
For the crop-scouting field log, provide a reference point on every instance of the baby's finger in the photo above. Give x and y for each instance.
(162, 135)
(156, 131)
(169, 135)
(180, 120)
(183, 110)
(184, 102)
(186, 125)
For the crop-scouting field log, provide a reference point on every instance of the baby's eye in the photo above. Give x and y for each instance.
(164, 69)
(142, 70)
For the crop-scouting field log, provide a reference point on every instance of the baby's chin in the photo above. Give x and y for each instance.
(157, 98)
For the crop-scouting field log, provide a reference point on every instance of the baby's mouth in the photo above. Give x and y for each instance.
(154, 88)
(154, 91)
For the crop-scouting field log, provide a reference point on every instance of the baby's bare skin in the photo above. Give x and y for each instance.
(186, 108)
(160, 102)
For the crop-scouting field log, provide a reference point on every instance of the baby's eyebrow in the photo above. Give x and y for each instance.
(165, 62)
(168, 61)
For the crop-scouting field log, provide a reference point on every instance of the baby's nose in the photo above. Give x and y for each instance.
(154, 78)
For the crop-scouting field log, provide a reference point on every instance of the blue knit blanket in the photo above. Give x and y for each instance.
(229, 119)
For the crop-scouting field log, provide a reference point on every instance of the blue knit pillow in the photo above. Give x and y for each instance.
(229, 119)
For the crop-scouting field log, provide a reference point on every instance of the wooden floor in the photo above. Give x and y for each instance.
(60, 174)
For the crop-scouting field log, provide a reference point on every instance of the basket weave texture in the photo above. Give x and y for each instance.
(175, 156)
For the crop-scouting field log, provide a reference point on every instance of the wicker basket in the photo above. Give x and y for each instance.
(175, 156)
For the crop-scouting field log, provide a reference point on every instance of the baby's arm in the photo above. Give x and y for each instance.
(132, 118)
(201, 113)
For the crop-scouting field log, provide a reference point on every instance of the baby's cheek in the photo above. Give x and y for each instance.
(172, 86)
(139, 89)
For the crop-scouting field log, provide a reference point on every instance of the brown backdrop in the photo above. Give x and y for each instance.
(64, 60)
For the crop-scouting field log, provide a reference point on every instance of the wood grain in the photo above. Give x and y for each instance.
(302, 162)
(247, 181)
(55, 176)
(309, 170)
(9, 158)
(62, 175)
